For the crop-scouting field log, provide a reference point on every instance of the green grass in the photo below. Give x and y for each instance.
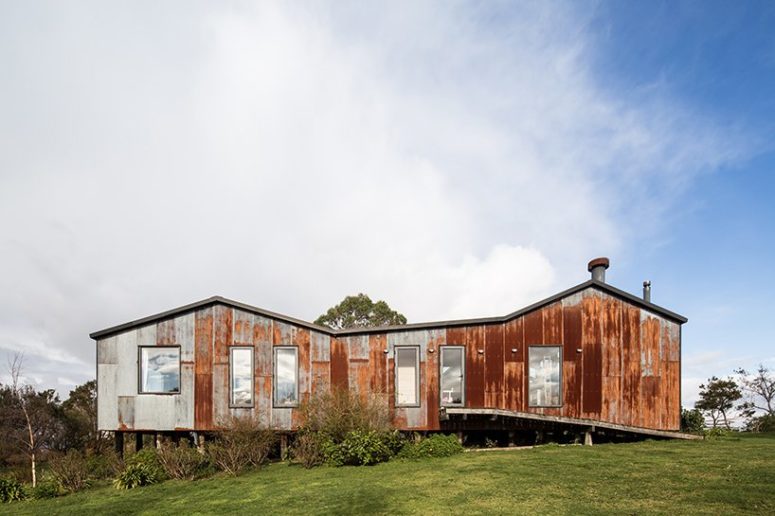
(725, 476)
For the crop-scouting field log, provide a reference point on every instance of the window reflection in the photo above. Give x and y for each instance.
(544, 387)
(159, 369)
(286, 385)
(451, 375)
(406, 376)
(242, 377)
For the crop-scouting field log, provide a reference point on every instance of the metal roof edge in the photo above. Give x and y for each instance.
(390, 329)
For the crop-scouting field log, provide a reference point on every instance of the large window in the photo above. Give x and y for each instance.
(241, 362)
(545, 387)
(286, 377)
(452, 375)
(159, 370)
(407, 376)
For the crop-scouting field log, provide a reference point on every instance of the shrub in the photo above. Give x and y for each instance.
(343, 427)
(47, 489)
(182, 461)
(11, 490)
(70, 471)
(135, 475)
(359, 448)
(241, 442)
(106, 464)
(149, 458)
(716, 432)
(692, 421)
(437, 445)
(339, 412)
(308, 449)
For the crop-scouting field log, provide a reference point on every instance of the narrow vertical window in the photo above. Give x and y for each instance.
(241, 369)
(545, 387)
(452, 375)
(407, 376)
(159, 370)
(286, 377)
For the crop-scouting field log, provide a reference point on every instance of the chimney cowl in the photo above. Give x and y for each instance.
(647, 291)
(597, 267)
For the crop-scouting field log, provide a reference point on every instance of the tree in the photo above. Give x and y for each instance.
(718, 397)
(759, 389)
(80, 420)
(692, 421)
(360, 312)
(34, 418)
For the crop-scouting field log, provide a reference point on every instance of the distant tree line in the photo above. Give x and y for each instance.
(750, 393)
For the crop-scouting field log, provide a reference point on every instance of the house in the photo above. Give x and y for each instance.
(590, 359)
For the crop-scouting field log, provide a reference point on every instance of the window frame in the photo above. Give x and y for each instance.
(252, 377)
(462, 376)
(275, 404)
(529, 349)
(418, 401)
(140, 390)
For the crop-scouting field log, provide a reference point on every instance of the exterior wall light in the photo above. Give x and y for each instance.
(513, 350)
(481, 352)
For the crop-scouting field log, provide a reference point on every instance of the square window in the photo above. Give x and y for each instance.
(286, 377)
(159, 370)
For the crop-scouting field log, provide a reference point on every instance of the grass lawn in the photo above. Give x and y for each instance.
(725, 476)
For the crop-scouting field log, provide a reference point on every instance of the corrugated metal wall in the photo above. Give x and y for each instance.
(620, 364)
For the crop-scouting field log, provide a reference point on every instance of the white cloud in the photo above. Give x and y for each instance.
(452, 160)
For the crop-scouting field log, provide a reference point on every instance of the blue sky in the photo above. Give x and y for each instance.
(455, 159)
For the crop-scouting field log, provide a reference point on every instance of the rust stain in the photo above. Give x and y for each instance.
(223, 333)
(339, 364)
(493, 365)
(165, 333)
(571, 338)
(377, 347)
(591, 401)
(474, 367)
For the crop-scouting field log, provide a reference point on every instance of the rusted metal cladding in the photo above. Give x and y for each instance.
(619, 363)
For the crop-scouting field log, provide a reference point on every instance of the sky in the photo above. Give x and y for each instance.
(456, 159)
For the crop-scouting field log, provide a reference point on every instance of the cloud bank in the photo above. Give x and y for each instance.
(456, 160)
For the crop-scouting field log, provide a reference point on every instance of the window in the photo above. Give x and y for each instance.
(241, 368)
(407, 377)
(452, 375)
(159, 370)
(545, 387)
(286, 378)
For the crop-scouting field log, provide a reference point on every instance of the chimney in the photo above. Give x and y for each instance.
(647, 291)
(597, 267)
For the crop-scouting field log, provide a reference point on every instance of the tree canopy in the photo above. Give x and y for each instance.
(717, 397)
(360, 312)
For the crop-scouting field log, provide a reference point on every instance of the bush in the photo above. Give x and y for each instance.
(715, 433)
(359, 448)
(47, 489)
(437, 445)
(11, 490)
(70, 471)
(241, 442)
(764, 423)
(182, 461)
(149, 458)
(692, 421)
(135, 475)
(106, 464)
(339, 412)
(307, 449)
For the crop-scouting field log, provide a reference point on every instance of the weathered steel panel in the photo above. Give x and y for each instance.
(631, 411)
(378, 363)
(282, 333)
(552, 324)
(184, 402)
(436, 339)
(592, 382)
(126, 354)
(612, 359)
(107, 399)
(221, 410)
(320, 347)
(302, 340)
(223, 326)
(263, 395)
(203, 367)
(534, 328)
(146, 335)
(243, 328)
(107, 351)
(475, 366)
(281, 418)
(184, 336)
(339, 364)
(126, 412)
(513, 373)
(493, 365)
(165, 333)
(572, 358)
(154, 412)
